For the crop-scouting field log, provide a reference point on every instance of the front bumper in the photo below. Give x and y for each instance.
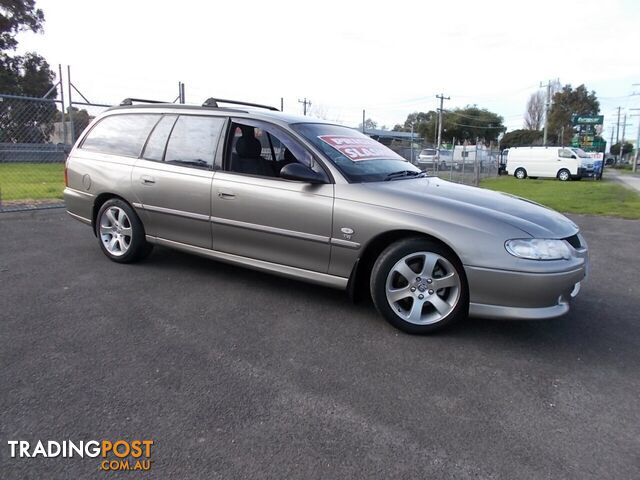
(522, 295)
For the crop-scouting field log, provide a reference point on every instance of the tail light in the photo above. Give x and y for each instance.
(66, 175)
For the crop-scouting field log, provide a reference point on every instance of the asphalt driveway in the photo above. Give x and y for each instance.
(238, 374)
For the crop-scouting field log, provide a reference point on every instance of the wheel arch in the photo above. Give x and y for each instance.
(357, 287)
(100, 200)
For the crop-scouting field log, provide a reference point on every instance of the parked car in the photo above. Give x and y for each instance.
(428, 159)
(318, 202)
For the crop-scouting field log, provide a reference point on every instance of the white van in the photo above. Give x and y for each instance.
(562, 163)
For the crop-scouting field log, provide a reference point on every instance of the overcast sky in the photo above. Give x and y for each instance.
(390, 58)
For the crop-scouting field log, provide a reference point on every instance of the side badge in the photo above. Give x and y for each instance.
(347, 232)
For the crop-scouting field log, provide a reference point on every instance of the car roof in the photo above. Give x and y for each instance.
(258, 113)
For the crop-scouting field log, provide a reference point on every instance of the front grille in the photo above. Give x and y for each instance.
(574, 241)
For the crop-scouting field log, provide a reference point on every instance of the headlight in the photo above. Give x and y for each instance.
(538, 248)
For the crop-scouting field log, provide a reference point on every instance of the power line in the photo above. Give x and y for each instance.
(477, 126)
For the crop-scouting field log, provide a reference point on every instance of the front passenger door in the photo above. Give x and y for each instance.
(259, 215)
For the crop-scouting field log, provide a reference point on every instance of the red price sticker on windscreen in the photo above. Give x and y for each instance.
(357, 148)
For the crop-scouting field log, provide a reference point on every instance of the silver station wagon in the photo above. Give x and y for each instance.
(319, 202)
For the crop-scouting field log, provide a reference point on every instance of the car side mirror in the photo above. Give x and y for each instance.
(301, 173)
(573, 156)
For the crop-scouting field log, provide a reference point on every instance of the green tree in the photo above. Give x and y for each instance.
(627, 148)
(21, 75)
(470, 123)
(522, 137)
(81, 119)
(18, 16)
(26, 75)
(424, 124)
(566, 103)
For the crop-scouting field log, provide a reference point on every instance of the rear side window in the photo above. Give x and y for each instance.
(158, 139)
(193, 141)
(120, 134)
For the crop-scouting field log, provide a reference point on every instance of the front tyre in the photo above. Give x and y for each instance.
(419, 286)
(520, 173)
(564, 175)
(120, 232)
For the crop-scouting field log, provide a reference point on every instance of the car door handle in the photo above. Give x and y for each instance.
(226, 195)
(147, 180)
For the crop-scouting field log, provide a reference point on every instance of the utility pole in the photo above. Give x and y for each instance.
(611, 143)
(547, 104)
(442, 99)
(624, 129)
(305, 102)
(635, 160)
(411, 143)
(618, 127)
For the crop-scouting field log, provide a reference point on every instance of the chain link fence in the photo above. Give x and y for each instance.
(35, 139)
(34, 142)
(467, 164)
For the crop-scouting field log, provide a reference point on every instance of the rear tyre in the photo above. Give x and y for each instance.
(564, 175)
(419, 286)
(520, 173)
(120, 232)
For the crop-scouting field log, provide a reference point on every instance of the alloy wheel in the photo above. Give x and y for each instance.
(115, 231)
(423, 288)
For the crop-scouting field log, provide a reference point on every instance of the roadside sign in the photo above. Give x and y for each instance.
(587, 119)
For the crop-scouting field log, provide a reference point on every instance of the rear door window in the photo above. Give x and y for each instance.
(120, 134)
(193, 141)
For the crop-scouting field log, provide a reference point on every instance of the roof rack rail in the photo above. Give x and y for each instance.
(129, 101)
(213, 102)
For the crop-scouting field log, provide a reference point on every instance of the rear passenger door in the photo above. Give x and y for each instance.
(172, 179)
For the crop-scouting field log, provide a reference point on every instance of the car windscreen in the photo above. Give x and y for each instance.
(358, 157)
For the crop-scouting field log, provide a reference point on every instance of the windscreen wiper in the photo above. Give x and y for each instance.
(404, 174)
